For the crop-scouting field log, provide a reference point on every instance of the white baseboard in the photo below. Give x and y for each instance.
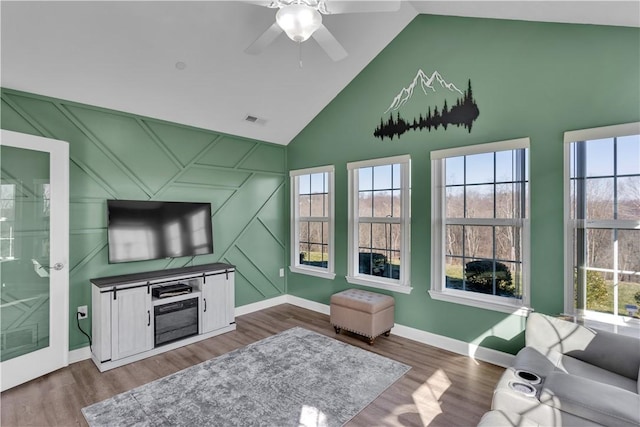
(473, 351)
(453, 345)
(261, 305)
(309, 305)
(79, 355)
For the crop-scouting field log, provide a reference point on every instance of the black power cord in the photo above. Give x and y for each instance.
(85, 334)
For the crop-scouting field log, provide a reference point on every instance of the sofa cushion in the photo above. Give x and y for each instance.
(577, 367)
(582, 397)
(505, 419)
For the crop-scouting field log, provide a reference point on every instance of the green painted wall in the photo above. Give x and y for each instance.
(115, 155)
(533, 80)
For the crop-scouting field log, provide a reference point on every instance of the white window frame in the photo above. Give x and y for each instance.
(604, 132)
(402, 285)
(438, 290)
(295, 266)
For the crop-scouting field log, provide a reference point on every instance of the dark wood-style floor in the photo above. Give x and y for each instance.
(441, 389)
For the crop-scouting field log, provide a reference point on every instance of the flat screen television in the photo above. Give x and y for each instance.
(140, 230)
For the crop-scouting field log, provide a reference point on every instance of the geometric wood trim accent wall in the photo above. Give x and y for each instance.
(116, 155)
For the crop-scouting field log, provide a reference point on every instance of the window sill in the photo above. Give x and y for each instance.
(404, 289)
(313, 272)
(457, 298)
(607, 322)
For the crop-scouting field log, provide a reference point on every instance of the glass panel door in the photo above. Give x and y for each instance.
(24, 251)
(33, 256)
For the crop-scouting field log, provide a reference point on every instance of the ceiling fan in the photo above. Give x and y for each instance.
(301, 19)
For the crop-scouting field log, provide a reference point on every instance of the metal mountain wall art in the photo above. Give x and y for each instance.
(462, 113)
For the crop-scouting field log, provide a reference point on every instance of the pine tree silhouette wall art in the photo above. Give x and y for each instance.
(463, 113)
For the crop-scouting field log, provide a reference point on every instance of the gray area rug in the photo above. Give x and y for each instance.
(295, 378)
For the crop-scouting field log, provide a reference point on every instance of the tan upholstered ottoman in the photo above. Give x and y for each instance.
(365, 313)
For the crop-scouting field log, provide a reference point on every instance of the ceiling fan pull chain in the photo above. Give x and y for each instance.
(300, 54)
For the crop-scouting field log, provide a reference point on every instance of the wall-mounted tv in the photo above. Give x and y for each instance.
(141, 230)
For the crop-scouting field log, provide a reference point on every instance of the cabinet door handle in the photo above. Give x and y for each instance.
(148, 318)
(205, 304)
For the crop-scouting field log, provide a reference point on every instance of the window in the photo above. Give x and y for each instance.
(480, 227)
(312, 222)
(379, 223)
(602, 245)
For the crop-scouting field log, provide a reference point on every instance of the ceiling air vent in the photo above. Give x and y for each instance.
(253, 119)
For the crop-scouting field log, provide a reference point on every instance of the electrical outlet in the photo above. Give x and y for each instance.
(282, 272)
(82, 311)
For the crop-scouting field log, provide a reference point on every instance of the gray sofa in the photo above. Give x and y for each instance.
(569, 375)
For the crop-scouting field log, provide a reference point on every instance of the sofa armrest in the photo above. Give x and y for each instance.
(598, 402)
(606, 350)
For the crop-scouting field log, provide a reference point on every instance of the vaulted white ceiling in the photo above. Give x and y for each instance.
(124, 55)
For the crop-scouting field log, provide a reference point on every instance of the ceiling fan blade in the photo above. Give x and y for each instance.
(329, 43)
(264, 40)
(265, 3)
(334, 7)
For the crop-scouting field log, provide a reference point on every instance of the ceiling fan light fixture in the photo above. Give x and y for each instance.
(299, 21)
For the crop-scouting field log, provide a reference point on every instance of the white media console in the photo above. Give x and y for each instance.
(129, 323)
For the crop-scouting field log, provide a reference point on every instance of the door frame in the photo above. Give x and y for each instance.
(40, 362)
